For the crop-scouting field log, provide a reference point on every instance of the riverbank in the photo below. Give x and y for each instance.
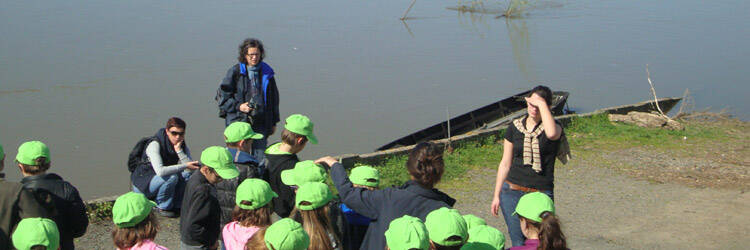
(626, 187)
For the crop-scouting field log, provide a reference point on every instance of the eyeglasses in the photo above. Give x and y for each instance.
(175, 133)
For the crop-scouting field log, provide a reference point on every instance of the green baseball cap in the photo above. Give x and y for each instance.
(316, 193)
(444, 223)
(407, 233)
(130, 209)
(34, 232)
(483, 234)
(473, 220)
(258, 192)
(303, 172)
(221, 161)
(286, 234)
(531, 205)
(30, 151)
(238, 131)
(365, 176)
(300, 124)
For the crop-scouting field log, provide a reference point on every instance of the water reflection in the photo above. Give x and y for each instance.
(520, 42)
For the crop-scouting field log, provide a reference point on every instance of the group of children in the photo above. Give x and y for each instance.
(43, 211)
(287, 205)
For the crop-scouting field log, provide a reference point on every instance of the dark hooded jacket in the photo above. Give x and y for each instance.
(62, 197)
(16, 203)
(227, 189)
(141, 177)
(383, 206)
(283, 204)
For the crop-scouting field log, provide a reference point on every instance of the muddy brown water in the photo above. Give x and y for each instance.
(90, 78)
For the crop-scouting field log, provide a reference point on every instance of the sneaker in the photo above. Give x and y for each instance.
(167, 213)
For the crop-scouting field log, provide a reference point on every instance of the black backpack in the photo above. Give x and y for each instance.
(135, 158)
(219, 98)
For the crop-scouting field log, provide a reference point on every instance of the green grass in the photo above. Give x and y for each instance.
(585, 135)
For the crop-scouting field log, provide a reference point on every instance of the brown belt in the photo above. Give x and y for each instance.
(521, 188)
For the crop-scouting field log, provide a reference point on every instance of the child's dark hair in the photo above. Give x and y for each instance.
(38, 247)
(40, 165)
(544, 92)
(127, 237)
(257, 241)
(290, 138)
(452, 238)
(425, 164)
(551, 236)
(260, 217)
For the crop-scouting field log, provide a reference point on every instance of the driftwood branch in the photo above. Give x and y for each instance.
(409, 9)
(653, 91)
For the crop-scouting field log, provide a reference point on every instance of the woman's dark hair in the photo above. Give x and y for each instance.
(425, 164)
(551, 236)
(260, 217)
(544, 92)
(176, 122)
(247, 44)
(127, 237)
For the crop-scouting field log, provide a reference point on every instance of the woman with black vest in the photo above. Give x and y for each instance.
(417, 197)
(531, 145)
(248, 93)
(167, 166)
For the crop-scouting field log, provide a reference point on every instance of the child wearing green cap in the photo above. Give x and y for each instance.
(298, 130)
(416, 197)
(201, 214)
(354, 225)
(251, 213)
(484, 237)
(16, 203)
(407, 233)
(447, 229)
(33, 160)
(312, 210)
(36, 234)
(136, 224)
(239, 137)
(286, 234)
(539, 224)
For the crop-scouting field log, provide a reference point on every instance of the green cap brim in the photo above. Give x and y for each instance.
(256, 136)
(312, 138)
(227, 173)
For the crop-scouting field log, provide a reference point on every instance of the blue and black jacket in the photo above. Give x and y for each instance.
(234, 91)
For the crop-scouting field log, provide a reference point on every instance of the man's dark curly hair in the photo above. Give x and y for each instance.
(250, 43)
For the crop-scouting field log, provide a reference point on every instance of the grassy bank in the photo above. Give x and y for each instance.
(588, 138)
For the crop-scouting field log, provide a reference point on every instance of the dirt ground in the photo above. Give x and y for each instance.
(636, 198)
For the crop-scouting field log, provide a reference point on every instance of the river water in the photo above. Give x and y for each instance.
(90, 78)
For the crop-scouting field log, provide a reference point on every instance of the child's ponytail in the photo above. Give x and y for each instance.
(551, 236)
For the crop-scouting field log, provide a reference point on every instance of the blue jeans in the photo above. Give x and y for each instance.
(259, 148)
(508, 201)
(168, 190)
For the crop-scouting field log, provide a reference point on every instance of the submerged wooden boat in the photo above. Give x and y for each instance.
(492, 115)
